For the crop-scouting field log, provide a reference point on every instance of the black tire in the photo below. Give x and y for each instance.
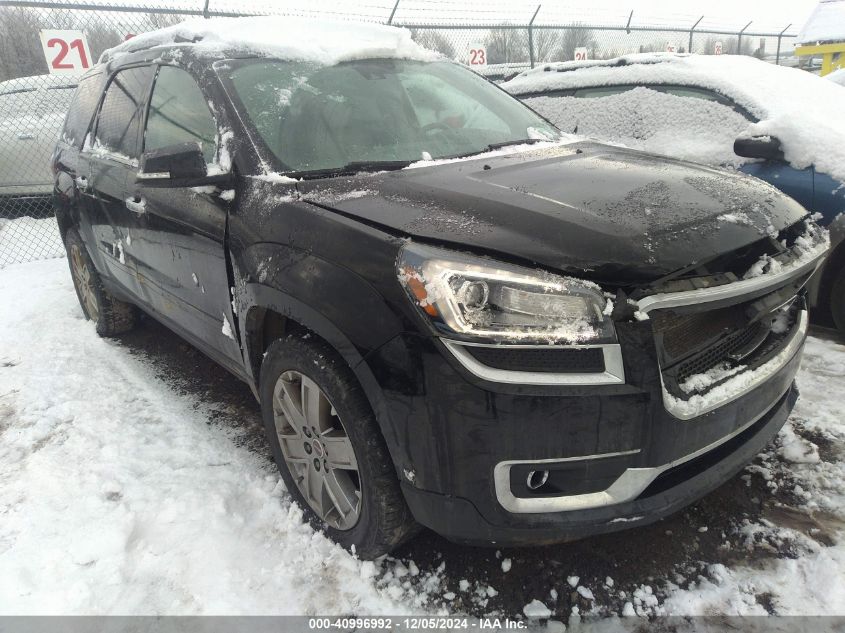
(384, 520)
(110, 315)
(837, 300)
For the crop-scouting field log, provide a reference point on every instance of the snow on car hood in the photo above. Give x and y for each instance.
(324, 42)
(799, 108)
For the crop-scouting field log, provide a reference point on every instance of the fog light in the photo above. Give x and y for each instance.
(537, 478)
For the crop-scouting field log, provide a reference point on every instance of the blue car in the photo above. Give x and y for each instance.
(781, 125)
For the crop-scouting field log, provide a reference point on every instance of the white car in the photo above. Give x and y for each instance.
(32, 111)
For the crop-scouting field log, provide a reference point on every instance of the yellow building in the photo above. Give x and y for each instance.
(824, 34)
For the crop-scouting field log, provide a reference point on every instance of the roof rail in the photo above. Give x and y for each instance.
(105, 57)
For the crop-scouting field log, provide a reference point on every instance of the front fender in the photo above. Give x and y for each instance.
(336, 303)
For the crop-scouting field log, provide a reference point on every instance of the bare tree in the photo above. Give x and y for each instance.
(435, 40)
(507, 45)
(576, 36)
(546, 43)
(20, 46)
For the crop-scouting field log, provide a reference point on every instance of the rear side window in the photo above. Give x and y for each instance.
(118, 125)
(82, 110)
(179, 113)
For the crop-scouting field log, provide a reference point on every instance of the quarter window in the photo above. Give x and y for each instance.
(82, 109)
(120, 115)
(179, 113)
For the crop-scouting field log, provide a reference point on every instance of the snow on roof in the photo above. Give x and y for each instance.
(799, 108)
(320, 41)
(825, 24)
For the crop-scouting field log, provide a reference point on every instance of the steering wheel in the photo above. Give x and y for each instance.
(437, 125)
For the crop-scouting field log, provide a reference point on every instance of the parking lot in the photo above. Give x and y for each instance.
(137, 479)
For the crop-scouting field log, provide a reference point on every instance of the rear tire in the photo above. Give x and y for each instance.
(340, 461)
(110, 315)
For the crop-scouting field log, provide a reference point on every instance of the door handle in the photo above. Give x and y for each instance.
(136, 204)
(81, 183)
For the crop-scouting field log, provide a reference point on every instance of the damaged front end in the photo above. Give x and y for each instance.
(723, 328)
(645, 401)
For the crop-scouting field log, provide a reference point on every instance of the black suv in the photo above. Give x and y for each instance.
(450, 315)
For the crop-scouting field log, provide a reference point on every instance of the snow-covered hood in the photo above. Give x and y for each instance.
(609, 214)
(802, 110)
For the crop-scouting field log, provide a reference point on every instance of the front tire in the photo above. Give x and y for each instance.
(110, 315)
(328, 447)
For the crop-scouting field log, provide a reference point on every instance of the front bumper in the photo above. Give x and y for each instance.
(460, 520)
(618, 452)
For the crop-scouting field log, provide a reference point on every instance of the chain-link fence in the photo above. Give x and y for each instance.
(33, 103)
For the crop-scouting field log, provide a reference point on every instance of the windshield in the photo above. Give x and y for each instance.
(318, 118)
(35, 103)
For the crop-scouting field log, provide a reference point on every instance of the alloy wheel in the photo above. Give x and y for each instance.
(317, 450)
(84, 282)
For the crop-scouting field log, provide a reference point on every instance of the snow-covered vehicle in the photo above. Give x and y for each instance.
(32, 110)
(837, 77)
(782, 125)
(452, 314)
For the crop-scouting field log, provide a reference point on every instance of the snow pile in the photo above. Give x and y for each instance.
(119, 496)
(800, 109)
(825, 24)
(651, 121)
(323, 42)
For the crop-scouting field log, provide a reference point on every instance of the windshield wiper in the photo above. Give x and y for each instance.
(522, 141)
(352, 168)
(495, 146)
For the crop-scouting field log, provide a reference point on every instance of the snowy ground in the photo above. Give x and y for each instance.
(134, 479)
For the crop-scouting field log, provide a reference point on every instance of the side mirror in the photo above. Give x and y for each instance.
(767, 147)
(174, 162)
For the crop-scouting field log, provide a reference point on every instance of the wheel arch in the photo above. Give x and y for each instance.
(272, 314)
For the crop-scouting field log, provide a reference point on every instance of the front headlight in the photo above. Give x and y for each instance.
(476, 298)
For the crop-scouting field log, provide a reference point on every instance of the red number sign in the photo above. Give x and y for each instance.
(66, 52)
(477, 56)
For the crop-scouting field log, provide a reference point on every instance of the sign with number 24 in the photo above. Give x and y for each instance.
(66, 51)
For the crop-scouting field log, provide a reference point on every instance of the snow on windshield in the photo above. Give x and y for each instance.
(801, 109)
(644, 119)
(288, 38)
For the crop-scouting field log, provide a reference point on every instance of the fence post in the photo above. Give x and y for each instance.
(739, 38)
(689, 48)
(205, 10)
(531, 36)
(628, 26)
(780, 35)
(392, 13)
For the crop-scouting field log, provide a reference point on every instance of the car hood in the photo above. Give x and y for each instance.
(605, 213)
